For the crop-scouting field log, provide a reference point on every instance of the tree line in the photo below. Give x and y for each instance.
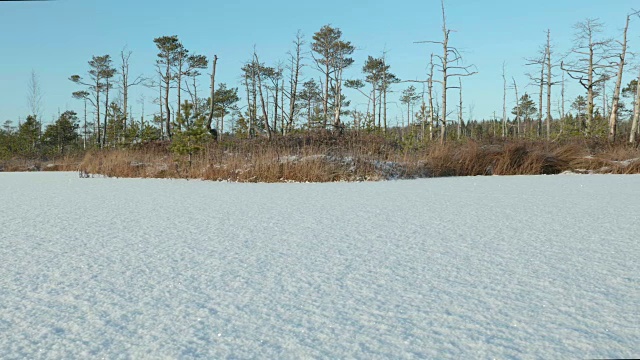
(276, 100)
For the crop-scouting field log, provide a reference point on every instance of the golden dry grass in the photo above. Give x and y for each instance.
(323, 157)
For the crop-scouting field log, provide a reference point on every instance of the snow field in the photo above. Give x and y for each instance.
(480, 267)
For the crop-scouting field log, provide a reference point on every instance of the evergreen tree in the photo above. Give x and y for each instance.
(310, 96)
(28, 139)
(190, 133)
(225, 102)
(409, 98)
(526, 109)
(62, 133)
(99, 70)
(332, 58)
(171, 50)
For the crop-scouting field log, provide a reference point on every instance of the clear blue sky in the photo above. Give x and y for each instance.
(57, 38)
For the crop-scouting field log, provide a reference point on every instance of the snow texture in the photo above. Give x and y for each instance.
(477, 267)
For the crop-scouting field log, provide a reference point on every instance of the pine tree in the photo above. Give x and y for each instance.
(63, 132)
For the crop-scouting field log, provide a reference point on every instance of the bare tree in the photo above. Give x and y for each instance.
(539, 81)
(262, 103)
(125, 82)
(449, 67)
(549, 83)
(613, 118)
(432, 117)
(34, 95)
(295, 69)
(249, 70)
(588, 66)
(108, 73)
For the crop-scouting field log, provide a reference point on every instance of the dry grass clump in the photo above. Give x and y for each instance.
(324, 157)
(69, 162)
(128, 163)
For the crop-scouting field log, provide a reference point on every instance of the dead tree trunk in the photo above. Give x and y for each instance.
(515, 87)
(548, 56)
(160, 103)
(445, 53)
(613, 117)
(213, 92)
(562, 105)
(636, 114)
(106, 111)
(178, 77)
(431, 112)
(460, 121)
(539, 126)
(262, 103)
(126, 83)
(249, 107)
(448, 70)
(504, 104)
(384, 92)
(296, 66)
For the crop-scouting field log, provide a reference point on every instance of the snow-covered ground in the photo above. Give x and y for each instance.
(477, 267)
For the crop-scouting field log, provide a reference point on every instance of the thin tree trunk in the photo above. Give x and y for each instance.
(309, 115)
(373, 103)
(636, 114)
(515, 87)
(445, 47)
(338, 97)
(125, 88)
(213, 92)
(384, 107)
(431, 113)
(548, 56)
(99, 138)
(325, 101)
(613, 118)
(249, 108)
(539, 127)
(84, 143)
(562, 105)
(604, 97)
(295, 71)
(166, 99)
(254, 92)
(179, 80)
(275, 106)
(264, 107)
(504, 103)
(282, 117)
(106, 113)
(590, 105)
(460, 121)
(384, 92)
(221, 132)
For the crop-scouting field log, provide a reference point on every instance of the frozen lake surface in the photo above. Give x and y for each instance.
(477, 267)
